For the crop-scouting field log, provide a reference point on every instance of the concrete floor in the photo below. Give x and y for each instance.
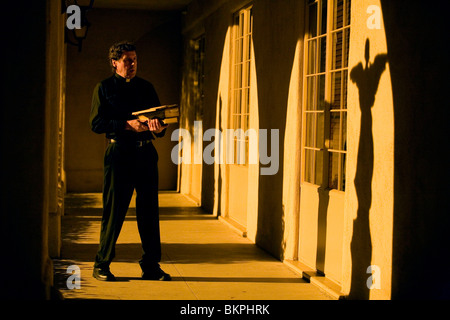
(206, 259)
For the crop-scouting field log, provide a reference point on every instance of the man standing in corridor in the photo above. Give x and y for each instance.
(130, 161)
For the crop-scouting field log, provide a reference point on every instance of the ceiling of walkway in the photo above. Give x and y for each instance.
(142, 4)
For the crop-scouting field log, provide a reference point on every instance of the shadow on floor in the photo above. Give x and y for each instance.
(223, 279)
(180, 253)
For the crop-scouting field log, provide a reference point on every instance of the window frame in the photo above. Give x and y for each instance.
(317, 146)
(239, 110)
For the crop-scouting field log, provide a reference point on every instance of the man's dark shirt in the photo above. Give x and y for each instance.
(113, 101)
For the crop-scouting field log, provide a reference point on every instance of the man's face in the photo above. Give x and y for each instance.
(126, 66)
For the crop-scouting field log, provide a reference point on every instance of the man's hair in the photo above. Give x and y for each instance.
(117, 49)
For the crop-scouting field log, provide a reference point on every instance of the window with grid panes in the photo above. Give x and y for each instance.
(240, 84)
(325, 104)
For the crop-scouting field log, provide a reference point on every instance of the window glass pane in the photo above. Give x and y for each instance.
(236, 120)
(237, 101)
(344, 89)
(246, 101)
(238, 76)
(346, 46)
(322, 53)
(319, 168)
(247, 74)
(310, 90)
(310, 128)
(320, 130)
(240, 52)
(347, 12)
(337, 50)
(309, 161)
(343, 145)
(335, 126)
(338, 14)
(248, 47)
(311, 56)
(336, 83)
(250, 21)
(333, 172)
(321, 92)
(241, 25)
(313, 20)
(323, 25)
(246, 122)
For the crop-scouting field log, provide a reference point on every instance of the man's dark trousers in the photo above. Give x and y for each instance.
(129, 167)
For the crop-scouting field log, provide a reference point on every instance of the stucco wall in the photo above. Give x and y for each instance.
(370, 160)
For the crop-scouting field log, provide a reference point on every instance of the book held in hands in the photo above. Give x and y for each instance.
(167, 113)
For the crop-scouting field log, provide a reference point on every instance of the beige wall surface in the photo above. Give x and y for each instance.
(369, 197)
(158, 40)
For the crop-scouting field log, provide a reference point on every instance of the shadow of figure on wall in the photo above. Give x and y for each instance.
(367, 79)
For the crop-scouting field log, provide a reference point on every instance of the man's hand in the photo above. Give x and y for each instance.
(153, 125)
(136, 126)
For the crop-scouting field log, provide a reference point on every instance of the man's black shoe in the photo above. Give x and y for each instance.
(103, 275)
(157, 274)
